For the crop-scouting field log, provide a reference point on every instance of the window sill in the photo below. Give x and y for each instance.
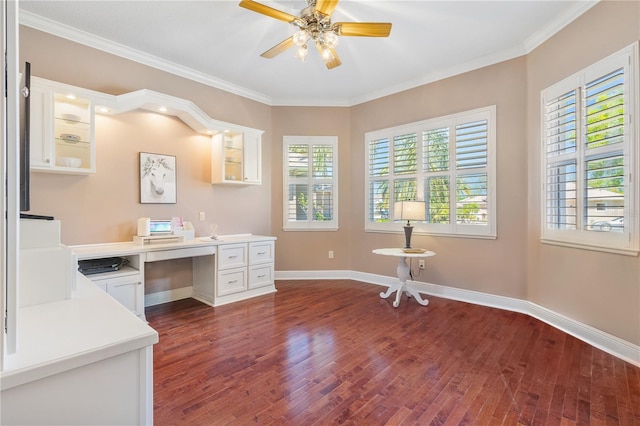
(612, 250)
(332, 229)
(436, 234)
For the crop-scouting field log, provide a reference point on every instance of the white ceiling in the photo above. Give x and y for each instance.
(219, 43)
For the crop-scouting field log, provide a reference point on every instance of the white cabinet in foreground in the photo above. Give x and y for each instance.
(125, 285)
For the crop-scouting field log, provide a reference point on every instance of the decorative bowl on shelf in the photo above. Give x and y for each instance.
(70, 137)
(69, 162)
(70, 118)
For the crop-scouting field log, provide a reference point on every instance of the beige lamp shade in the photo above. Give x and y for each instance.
(409, 210)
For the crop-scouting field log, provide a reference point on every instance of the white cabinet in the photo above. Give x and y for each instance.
(236, 158)
(232, 281)
(125, 285)
(62, 128)
(241, 270)
(261, 257)
(232, 269)
(260, 276)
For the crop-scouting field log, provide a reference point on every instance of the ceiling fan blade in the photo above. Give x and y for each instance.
(332, 62)
(266, 10)
(363, 29)
(278, 48)
(326, 7)
(335, 62)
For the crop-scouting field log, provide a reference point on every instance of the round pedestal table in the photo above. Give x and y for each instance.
(403, 273)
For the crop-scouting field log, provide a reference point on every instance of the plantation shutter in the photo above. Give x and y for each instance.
(310, 182)
(590, 155)
(560, 134)
(379, 180)
(472, 180)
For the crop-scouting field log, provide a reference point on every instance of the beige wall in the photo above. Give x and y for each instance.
(309, 250)
(104, 207)
(492, 266)
(598, 289)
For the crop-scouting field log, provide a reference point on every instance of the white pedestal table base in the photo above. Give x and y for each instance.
(403, 274)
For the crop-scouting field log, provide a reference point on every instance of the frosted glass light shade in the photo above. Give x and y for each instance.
(301, 53)
(330, 39)
(300, 38)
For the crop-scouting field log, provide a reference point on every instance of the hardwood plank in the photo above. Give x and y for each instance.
(323, 352)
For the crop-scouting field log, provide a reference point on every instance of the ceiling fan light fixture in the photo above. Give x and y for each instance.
(301, 53)
(314, 26)
(330, 39)
(301, 37)
(326, 53)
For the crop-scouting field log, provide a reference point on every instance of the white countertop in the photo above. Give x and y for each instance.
(59, 336)
(126, 248)
(91, 326)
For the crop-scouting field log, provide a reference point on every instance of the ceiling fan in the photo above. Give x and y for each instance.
(315, 26)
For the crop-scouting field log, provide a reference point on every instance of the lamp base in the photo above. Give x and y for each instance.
(407, 236)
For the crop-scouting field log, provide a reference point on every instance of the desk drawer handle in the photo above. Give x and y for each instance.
(233, 257)
(260, 253)
(262, 276)
(233, 281)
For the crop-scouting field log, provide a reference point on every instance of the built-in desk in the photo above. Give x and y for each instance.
(225, 270)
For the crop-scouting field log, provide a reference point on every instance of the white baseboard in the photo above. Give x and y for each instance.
(167, 296)
(611, 344)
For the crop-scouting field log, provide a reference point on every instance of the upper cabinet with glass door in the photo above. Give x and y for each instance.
(236, 157)
(62, 128)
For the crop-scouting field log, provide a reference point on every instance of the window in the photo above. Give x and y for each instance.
(449, 162)
(310, 183)
(589, 157)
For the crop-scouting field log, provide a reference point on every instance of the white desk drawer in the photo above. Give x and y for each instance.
(232, 281)
(154, 256)
(261, 252)
(232, 256)
(260, 275)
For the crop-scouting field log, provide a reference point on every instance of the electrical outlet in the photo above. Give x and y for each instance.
(421, 264)
(201, 215)
(330, 254)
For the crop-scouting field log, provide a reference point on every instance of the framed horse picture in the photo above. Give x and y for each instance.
(157, 179)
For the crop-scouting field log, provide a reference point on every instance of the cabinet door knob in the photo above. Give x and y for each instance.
(47, 160)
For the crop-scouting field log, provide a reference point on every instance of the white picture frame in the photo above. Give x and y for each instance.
(158, 179)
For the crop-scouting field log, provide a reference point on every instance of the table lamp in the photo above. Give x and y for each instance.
(409, 210)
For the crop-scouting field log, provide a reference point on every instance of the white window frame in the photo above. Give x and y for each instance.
(626, 242)
(452, 228)
(311, 224)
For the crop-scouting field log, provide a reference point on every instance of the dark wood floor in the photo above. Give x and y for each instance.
(333, 352)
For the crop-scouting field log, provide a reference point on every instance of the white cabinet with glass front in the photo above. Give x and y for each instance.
(62, 128)
(236, 157)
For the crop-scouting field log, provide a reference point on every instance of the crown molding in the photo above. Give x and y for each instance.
(553, 27)
(64, 31)
(55, 28)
